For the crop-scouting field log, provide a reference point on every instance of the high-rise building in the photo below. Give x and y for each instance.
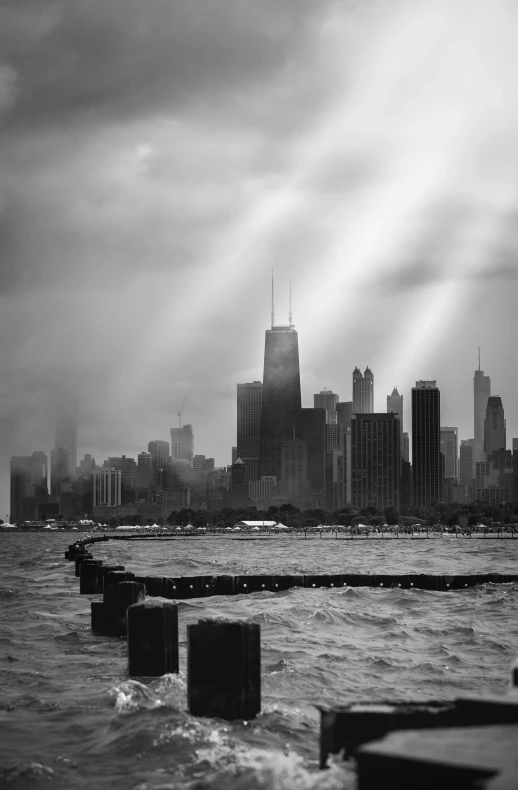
(159, 450)
(466, 462)
(61, 468)
(239, 486)
(66, 433)
(494, 427)
(281, 396)
(406, 447)
(328, 400)
(450, 449)
(395, 406)
(28, 485)
(107, 487)
(144, 473)
(182, 442)
(310, 428)
(249, 406)
(344, 413)
(128, 470)
(426, 444)
(294, 485)
(375, 460)
(481, 393)
(363, 391)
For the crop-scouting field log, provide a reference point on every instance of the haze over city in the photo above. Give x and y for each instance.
(158, 160)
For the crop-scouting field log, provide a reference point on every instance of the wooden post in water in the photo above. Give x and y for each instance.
(152, 638)
(109, 616)
(90, 577)
(224, 669)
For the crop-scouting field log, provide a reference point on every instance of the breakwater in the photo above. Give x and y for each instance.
(224, 681)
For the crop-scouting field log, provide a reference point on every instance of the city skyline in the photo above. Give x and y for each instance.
(316, 398)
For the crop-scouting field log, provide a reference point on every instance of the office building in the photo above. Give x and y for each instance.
(375, 460)
(128, 470)
(239, 485)
(144, 472)
(426, 444)
(328, 400)
(159, 451)
(28, 485)
(481, 393)
(449, 447)
(395, 406)
(281, 396)
(249, 407)
(107, 489)
(344, 413)
(363, 391)
(406, 447)
(466, 465)
(310, 428)
(293, 485)
(182, 443)
(494, 427)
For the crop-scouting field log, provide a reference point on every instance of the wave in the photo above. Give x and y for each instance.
(133, 695)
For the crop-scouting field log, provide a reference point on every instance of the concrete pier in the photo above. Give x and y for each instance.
(224, 669)
(152, 628)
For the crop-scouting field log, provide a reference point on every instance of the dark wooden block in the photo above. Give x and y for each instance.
(152, 638)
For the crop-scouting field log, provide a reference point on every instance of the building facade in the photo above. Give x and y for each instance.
(107, 489)
(182, 443)
(61, 468)
(450, 449)
(426, 444)
(159, 451)
(481, 393)
(281, 396)
(28, 486)
(249, 407)
(363, 391)
(328, 400)
(494, 427)
(395, 406)
(128, 470)
(375, 460)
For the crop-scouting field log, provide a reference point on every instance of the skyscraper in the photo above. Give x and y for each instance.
(481, 393)
(344, 413)
(249, 406)
(450, 449)
(310, 428)
(281, 395)
(466, 479)
(363, 391)
(144, 473)
(494, 427)
(405, 452)
(426, 444)
(328, 400)
(128, 470)
(182, 443)
(159, 450)
(395, 406)
(28, 485)
(375, 460)
(107, 487)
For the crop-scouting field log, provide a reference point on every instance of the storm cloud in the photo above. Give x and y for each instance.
(158, 157)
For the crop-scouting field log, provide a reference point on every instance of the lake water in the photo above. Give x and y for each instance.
(70, 717)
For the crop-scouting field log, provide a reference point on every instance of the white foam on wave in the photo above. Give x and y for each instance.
(132, 695)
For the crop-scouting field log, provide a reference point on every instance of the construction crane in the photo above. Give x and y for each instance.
(179, 413)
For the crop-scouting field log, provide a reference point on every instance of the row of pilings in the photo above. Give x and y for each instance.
(224, 676)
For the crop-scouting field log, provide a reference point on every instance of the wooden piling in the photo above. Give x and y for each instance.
(152, 630)
(224, 669)
(85, 555)
(109, 615)
(90, 577)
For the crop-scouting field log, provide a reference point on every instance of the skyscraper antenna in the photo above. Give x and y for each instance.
(479, 357)
(290, 317)
(273, 312)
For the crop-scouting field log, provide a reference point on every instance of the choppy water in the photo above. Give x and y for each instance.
(70, 717)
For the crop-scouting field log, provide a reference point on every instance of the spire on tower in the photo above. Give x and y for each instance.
(290, 316)
(273, 312)
(479, 357)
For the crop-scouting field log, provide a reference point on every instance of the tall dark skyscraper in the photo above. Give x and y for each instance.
(182, 443)
(310, 428)
(494, 427)
(481, 393)
(281, 395)
(426, 443)
(376, 460)
(249, 407)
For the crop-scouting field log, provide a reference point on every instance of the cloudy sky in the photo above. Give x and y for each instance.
(158, 157)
